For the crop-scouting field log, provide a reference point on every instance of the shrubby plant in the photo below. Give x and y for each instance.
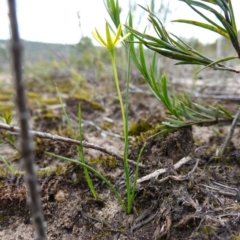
(182, 112)
(7, 138)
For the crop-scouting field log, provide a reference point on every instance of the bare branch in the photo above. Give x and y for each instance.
(230, 134)
(163, 170)
(26, 138)
(85, 144)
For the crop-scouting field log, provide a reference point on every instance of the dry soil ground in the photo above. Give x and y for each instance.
(196, 200)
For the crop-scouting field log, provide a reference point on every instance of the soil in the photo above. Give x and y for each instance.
(198, 200)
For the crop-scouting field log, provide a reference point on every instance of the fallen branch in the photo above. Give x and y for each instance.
(85, 144)
(180, 177)
(163, 170)
(231, 131)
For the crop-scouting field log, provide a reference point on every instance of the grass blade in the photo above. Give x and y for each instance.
(111, 186)
(204, 25)
(81, 155)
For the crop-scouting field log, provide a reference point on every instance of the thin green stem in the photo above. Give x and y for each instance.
(125, 156)
(112, 53)
(79, 148)
(125, 162)
(81, 155)
(10, 167)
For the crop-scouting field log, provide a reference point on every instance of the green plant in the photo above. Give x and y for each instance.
(110, 43)
(80, 150)
(167, 46)
(9, 166)
(108, 183)
(6, 137)
(182, 112)
(87, 168)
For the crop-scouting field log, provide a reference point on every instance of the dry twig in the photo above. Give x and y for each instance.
(230, 134)
(26, 138)
(85, 144)
(163, 170)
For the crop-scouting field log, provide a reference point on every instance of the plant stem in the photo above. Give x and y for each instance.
(125, 162)
(231, 131)
(112, 53)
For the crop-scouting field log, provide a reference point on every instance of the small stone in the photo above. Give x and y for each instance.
(60, 196)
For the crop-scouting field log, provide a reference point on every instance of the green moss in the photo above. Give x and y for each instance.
(4, 172)
(5, 97)
(46, 114)
(208, 230)
(59, 169)
(50, 100)
(33, 95)
(94, 105)
(6, 107)
(235, 237)
(107, 125)
(137, 128)
(106, 161)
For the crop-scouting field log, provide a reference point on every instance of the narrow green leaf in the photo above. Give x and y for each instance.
(233, 17)
(210, 1)
(204, 25)
(143, 61)
(153, 83)
(113, 9)
(181, 57)
(205, 110)
(136, 173)
(188, 63)
(201, 14)
(154, 41)
(170, 125)
(176, 113)
(225, 23)
(192, 51)
(81, 154)
(198, 116)
(158, 27)
(217, 62)
(227, 113)
(185, 111)
(165, 93)
(176, 122)
(9, 166)
(180, 46)
(111, 186)
(130, 23)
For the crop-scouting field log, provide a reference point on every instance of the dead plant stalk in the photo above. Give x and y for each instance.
(26, 138)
